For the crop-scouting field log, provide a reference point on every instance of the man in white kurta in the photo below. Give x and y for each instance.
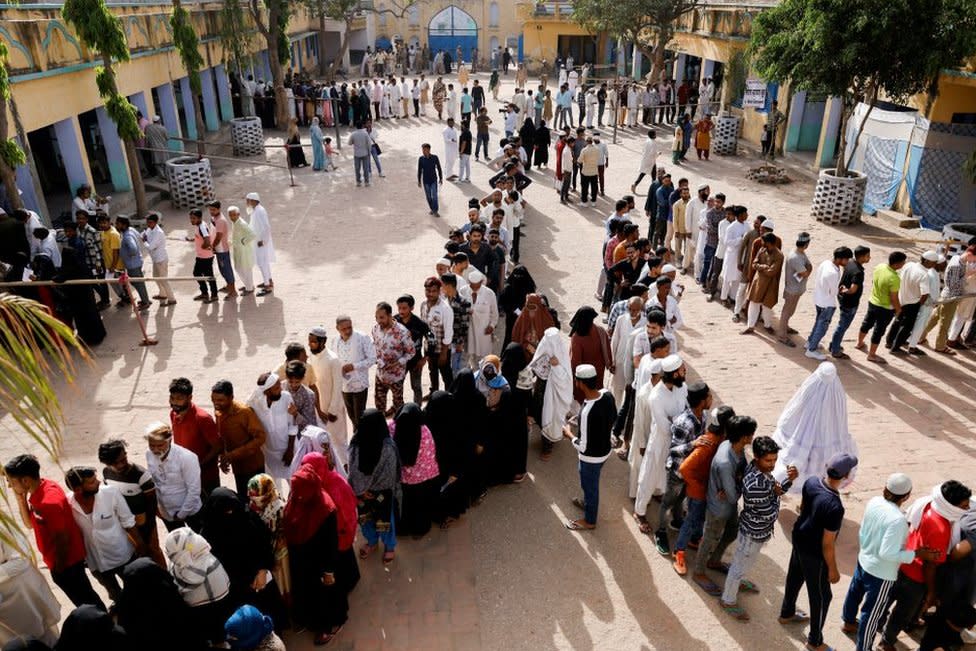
(394, 99)
(451, 102)
(450, 149)
(243, 249)
(484, 317)
(668, 398)
(261, 226)
(328, 381)
(273, 408)
(622, 346)
(644, 384)
(693, 213)
(731, 274)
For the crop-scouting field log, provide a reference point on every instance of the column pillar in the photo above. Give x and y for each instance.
(827, 147)
(188, 109)
(210, 115)
(707, 69)
(118, 167)
(679, 69)
(170, 115)
(794, 121)
(71, 146)
(635, 68)
(25, 183)
(223, 93)
(139, 100)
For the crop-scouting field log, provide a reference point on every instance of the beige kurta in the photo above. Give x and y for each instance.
(27, 604)
(328, 381)
(764, 287)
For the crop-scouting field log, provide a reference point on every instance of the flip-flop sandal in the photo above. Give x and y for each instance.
(878, 360)
(366, 550)
(748, 586)
(266, 291)
(388, 557)
(721, 567)
(642, 523)
(578, 503)
(709, 586)
(736, 611)
(945, 351)
(796, 618)
(573, 525)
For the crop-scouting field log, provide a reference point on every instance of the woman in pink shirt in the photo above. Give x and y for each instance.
(420, 470)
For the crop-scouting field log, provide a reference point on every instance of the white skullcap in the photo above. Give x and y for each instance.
(253, 196)
(899, 484)
(319, 331)
(585, 371)
(703, 186)
(231, 209)
(769, 224)
(671, 363)
(942, 259)
(931, 256)
(443, 261)
(668, 268)
(655, 367)
(156, 118)
(476, 277)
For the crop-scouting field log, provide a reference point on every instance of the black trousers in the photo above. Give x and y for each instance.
(812, 570)
(576, 172)
(355, 405)
(625, 416)
(588, 184)
(240, 483)
(877, 318)
(902, 327)
(516, 236)
(907, 596)
(203, 267)
(76, 585)
(438, 372)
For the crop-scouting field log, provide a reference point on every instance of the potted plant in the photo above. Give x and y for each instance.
(858, 51)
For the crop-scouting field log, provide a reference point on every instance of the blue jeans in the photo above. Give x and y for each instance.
(225, 268)
(372, 536)
(457, 361)
(707, 256)
(482, 142)
(590, 482)
(362, 168)
(430, 191)
(871, 594)
(376, 159)
(139, 286)
(692, 525)
(820, 326)
(843, 323)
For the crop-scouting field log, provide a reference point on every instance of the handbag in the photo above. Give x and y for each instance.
(525, 380)
(374, 147)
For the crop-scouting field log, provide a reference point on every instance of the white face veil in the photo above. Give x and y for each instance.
(813, 427)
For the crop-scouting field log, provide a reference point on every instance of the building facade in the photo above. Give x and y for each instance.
(71, 140)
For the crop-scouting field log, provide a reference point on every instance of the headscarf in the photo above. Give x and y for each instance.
(369, 438)
(313, 440)
(307, 508)
(150, 596)
(342, 495)
(263, 499)
(582, 321)
(89, 627)
(527, 133)
(407, 424)
(198, 574)
(247, 628)
(513, 362)
(237, 536)
(441, 418)
(532, 323)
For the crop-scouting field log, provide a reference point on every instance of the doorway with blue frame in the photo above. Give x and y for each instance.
(450, 29)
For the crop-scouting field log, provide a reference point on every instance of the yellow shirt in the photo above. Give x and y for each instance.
(112, 241)
(678, 210)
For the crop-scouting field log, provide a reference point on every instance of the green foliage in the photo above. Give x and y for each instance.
(284, 45)
(4, 76)
(11, 153)
(846, 49)
(187, 44)
(123, 113)
(640, 21)
(97, 27)
(337, 9)
(235, 33)
(737, 73)
(969, 168)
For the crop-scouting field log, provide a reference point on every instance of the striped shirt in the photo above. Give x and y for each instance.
(760, 505)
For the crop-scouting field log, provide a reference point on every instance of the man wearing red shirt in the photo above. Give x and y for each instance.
(45, 509)
(930, 527)
(195, 430)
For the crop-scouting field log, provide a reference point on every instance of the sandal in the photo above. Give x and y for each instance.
(266, 291)
(736, 611)
(642, 523)
(748, 586)
(797, 618)
(878, 360)
(324, 638)
(573, 525)
(388, 557)
(945, 351)
(366, 550)
(709, 586)
(721, 567)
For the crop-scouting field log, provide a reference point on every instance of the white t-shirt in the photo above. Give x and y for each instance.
(106, 542)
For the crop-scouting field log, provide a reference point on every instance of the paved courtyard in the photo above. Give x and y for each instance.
(508, 575)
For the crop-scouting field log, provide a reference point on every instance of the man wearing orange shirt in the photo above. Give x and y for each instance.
(241, 434)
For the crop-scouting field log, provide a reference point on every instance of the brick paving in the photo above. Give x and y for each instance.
(508, 575)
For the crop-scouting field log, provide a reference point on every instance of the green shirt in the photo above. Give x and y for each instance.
(884, 282)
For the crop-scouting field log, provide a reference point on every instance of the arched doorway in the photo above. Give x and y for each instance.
(451, 28)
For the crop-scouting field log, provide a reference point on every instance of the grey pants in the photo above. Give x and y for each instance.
(717, 535)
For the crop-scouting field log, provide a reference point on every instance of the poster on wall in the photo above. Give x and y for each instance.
(755, 95)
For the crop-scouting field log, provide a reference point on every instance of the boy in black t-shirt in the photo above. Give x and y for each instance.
(137, 487)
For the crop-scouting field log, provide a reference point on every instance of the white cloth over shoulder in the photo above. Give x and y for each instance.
(813, 427)
(558, 398)
(315, 439)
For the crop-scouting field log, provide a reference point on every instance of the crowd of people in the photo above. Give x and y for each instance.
(278, 550)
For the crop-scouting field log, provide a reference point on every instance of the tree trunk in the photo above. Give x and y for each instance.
(659, 47)
(270, 34)
(323, 67)
(201, 128)
(132, 156)
(843, 162)
(8, 174)
(343, 48)
(31, 163)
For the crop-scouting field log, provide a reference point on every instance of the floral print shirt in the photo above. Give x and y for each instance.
(394, 348)
(426, 467)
